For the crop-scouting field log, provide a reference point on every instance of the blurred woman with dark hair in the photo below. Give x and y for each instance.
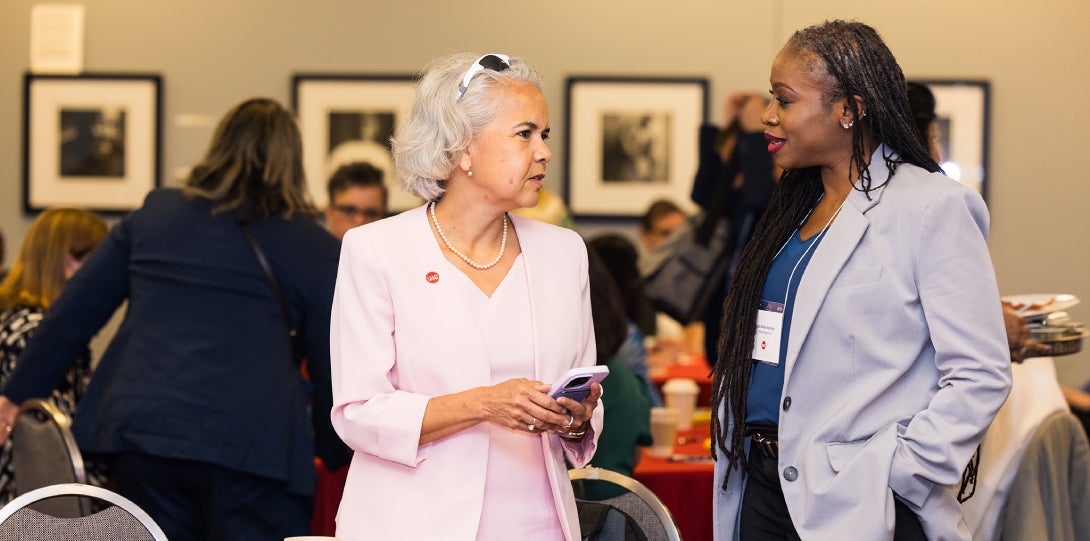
(626, 421)
(198, 403)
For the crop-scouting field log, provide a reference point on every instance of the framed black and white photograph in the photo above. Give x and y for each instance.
(90, 141)
(348, 118)
(962, 110)
(631, 141)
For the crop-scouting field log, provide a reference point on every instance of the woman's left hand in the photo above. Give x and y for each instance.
(579, 412)
(9, 412)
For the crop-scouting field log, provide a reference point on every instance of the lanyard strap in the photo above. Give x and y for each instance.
(817, 239)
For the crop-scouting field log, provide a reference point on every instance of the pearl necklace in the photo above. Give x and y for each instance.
(474, 264)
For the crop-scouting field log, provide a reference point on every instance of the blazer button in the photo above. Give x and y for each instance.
(786, 403)
(790, 473)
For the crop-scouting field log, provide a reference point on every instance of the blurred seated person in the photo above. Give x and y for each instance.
(357, 196)
(627, 415)
(618, 257)
(657, 225)
(660, 224)
(550, 209)
(54, 249)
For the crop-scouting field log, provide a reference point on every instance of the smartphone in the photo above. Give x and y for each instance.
(575, 383)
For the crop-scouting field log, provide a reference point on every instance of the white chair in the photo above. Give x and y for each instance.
(123, 519)
(637, 501)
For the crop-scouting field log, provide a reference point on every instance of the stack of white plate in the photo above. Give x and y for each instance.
(1049, 324)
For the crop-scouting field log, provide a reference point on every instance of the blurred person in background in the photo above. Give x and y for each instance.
(198, 403)
(659, 223)
(54, 248)
(618, 257)
(626, 423)
(357, 196)
(734, 178)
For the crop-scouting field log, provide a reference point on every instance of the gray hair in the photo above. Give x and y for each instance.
(439, 127)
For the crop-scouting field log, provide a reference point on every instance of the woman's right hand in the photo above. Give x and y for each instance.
(516, 404)
(521, 404)
(9, 412)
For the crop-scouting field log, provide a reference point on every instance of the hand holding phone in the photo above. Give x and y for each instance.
(575, 383)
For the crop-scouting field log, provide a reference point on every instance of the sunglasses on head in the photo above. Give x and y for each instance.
(494, 62)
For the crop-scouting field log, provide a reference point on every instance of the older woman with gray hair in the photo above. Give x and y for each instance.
(450, 321)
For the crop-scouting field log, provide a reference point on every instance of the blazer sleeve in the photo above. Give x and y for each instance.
(369, 413)
(85, 304)
(960, 301)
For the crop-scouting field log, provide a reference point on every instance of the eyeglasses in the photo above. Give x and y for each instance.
(494, 62)
(356, 213)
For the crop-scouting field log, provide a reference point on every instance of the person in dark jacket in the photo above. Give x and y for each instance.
(198, 403)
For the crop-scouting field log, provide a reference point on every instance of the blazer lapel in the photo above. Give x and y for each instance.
(534, 277)
(834, 251)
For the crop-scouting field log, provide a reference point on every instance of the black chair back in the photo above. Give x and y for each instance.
(44, 453)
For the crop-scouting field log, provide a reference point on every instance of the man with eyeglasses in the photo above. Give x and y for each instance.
(357, 196)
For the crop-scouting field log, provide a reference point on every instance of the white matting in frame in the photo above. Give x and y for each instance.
(961, 109)
(369, 105)
(632, 141)
(90, 141)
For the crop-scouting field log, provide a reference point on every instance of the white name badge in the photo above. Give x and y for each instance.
(766, 342)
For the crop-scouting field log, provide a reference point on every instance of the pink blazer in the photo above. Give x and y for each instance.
(398, 338)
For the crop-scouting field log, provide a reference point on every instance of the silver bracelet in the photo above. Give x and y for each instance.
(576, 436)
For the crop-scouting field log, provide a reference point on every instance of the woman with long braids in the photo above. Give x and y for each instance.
(863, 351)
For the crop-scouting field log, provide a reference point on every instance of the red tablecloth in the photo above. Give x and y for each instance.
(697, 370)
(684, 486)
(327, 498)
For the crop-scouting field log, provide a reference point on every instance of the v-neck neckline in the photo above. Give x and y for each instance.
(440, 252)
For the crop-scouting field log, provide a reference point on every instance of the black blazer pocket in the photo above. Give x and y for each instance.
(857, 276)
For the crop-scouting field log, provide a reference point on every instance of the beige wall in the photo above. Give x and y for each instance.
(212, 54)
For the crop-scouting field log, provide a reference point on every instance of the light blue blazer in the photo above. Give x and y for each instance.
(896, 364)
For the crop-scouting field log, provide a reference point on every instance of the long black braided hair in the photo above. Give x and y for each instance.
(858, 64)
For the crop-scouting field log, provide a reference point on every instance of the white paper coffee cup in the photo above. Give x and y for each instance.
(663, 431)
(680, 394)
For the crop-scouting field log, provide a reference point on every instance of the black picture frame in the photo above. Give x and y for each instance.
(630, 141)
(963, 121)
(346, 117)
(91, 141)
